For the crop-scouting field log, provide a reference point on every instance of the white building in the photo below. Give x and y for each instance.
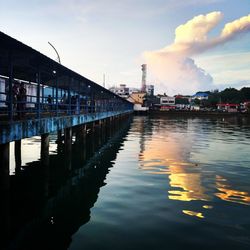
(122, 91)
(167, 100)
(150, 90)
(200, 96)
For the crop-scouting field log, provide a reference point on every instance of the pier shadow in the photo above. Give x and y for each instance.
(48, 200)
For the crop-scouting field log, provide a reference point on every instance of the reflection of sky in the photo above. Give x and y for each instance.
(190, 158)
(30, 150)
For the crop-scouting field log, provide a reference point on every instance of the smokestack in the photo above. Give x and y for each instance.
(143, 80)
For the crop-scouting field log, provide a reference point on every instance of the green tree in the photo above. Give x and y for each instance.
(245, 94)
(230, 95)
(214, 99)
(181, 101)
(197, 101)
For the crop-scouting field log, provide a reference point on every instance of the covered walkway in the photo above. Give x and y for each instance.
(39, 95)
(35, 86)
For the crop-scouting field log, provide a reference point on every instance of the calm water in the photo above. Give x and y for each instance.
(158, 183)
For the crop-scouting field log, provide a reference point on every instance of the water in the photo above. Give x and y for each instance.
(159, 183)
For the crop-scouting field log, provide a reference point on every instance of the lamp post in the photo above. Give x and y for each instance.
(54, 72)
(58, 57)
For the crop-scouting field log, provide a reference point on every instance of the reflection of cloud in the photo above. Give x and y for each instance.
(173, 64)
(191, 185)
(226, 193)
(187, 185)
(193, 213)
(169, 157)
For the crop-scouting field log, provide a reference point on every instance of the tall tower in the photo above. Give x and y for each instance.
(144, 75)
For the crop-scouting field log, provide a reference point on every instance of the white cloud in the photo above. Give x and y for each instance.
(173, 65)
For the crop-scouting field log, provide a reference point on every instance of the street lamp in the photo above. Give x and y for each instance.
(58, 57)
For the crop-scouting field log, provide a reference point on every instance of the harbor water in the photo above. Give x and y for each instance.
(155, 182)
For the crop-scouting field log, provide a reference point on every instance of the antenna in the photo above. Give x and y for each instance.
(58, 57)
(104, 80)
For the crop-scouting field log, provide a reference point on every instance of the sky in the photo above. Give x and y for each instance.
(188, 45)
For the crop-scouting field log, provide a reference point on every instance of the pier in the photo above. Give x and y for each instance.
(39, 96)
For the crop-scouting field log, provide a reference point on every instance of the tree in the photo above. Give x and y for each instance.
(213, 99)
(230, 95)
(197, 101)
(181, 101)
(248, 107)
(245, 94)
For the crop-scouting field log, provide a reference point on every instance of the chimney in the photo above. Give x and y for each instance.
(144, 74)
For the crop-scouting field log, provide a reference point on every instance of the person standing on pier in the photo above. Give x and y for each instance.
(63, 104)
(77, 108)
(15, 91)
(21, 100)
(49, 101)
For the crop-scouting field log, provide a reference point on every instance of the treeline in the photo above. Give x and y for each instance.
(228, 95)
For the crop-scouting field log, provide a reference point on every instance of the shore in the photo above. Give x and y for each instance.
(198, 113)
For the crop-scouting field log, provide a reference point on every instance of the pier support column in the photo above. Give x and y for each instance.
(59, 136)
(81, 131)
(45, 149)
(81, 140)
(100, 123)
(68, 139)
(18, 154)
(45, 162)
(68, 147)
(103, 131)
(4, 166)
(93, 127)
(59, 141)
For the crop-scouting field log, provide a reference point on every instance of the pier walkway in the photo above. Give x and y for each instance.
(39, 96)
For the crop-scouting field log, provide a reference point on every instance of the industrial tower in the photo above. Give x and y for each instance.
(143, 80)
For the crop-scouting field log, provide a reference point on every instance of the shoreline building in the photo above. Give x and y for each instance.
(138, 99)
(122, 91)
(134, 95)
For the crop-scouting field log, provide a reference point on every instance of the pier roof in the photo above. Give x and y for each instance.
(27, 61)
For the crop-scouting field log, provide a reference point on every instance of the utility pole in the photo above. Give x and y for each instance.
(104, 80)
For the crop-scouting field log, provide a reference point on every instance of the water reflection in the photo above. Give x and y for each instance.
(190, 152)
(187, 185)
(51, 198)
(227, 193)
(193, 213)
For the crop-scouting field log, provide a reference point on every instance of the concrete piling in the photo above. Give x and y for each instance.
(68, 146)
(18, 154)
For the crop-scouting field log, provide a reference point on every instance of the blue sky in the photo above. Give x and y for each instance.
(111, 37)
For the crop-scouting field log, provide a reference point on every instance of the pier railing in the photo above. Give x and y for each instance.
(47, 105)
(33, 85)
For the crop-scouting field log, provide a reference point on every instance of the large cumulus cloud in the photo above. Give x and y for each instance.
(173, 65)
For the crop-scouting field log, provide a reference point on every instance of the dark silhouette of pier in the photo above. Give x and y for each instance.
(51, 198)
(39, 96)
